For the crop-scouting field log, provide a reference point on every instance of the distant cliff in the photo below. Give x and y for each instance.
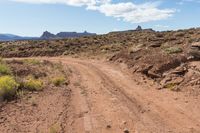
(47, 35)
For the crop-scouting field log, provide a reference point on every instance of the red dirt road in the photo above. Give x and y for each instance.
(106, 98)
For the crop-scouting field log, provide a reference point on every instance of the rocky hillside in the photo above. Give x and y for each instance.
(169, 58)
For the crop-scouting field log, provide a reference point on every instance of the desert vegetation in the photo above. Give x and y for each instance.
(32, 91)
(147, 51)
(18, 77)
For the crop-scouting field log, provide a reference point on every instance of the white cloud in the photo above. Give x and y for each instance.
(184, 1)
(127, 11)
(135, 13)
(162, 26)
(68, 2)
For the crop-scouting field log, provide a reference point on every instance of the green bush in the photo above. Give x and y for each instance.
(173, 50)
(172, 86)
(58, 81)
(32, 61)
(33, 84)
(55, 128)
(8, 87)
(4, 69)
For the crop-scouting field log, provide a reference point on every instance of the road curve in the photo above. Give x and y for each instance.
(107, 99)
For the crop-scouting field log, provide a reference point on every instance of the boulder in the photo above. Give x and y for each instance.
(181, 70)
(195, 50)
(196, 44)
(155, 45)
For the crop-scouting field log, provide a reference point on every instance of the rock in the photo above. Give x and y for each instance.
(180, 70)
(139, 28)
(175, 98)
(195, 50)
(126, 131)
(47, 35)
(35, 92)
(176, 88)
(124, 122)
(173, 83)
(108, 126)
(196, 44)
(155, 45)
(159, 87)
(2, 119)
(134, 50)
(165, 80)
(153, 74)
(177, 80)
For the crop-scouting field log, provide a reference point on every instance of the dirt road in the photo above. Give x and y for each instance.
(106, 98)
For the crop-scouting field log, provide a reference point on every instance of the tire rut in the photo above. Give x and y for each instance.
(155, 120)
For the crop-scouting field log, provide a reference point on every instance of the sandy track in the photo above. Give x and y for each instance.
(106, 98)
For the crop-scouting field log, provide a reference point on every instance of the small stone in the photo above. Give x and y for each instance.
(126, 131)
(124, 122)
(159, 87)
(108, 126)
(155, 45)
(35, 92)
(2, 119)
(143, 111)
(175, 98)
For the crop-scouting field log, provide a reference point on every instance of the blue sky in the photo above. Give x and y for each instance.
(32, 17)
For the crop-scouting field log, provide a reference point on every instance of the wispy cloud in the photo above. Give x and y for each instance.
(127, 11)
(181, 2)
(67, 2)
(162, 26)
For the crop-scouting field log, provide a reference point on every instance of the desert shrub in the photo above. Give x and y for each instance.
(1, 59)
(59, 80)
(32, 84)
(133, 49)
(55, 128)
(172, 86)
(173, 50)
(31, 61)
(111, 47)
(20, 93)
(4, 69)
(180, 34)
(8, 87)
(33, 101)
